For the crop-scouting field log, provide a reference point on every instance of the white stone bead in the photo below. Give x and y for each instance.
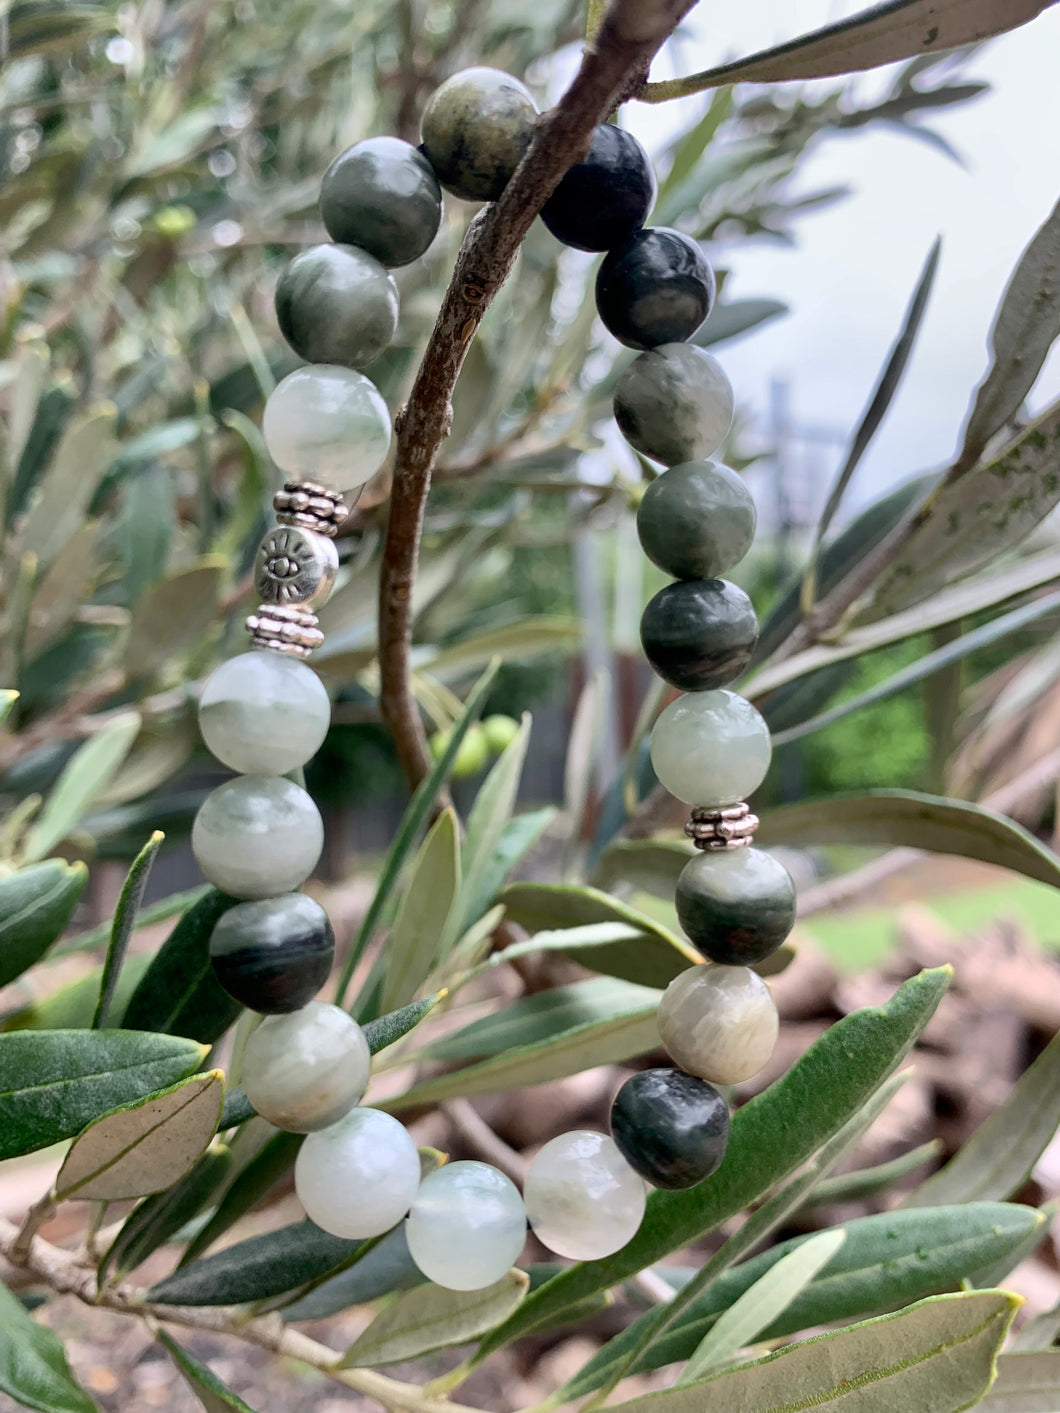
(257, 837)
(467, 1226)
(719, 1023)
(305, 1070)
(264, 713)
(582, 1198)
(329, 424)
(710, 748)
(358, 1178)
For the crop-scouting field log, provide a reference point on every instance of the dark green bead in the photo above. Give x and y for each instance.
(604, 199)
(736, 905)
(696, 520)
(670, 1127)
(699, 634)
(476, 127)
(273, 955)
(382, 195)
(337, 304)
(655, 288)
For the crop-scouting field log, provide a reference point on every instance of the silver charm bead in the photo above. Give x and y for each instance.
(295, 566)
(310, 506)
(729, 828)
(285, 628)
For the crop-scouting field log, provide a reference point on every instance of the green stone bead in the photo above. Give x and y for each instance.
(699, 634)
(476, 128)
(696, 520)
(337, 304)
(670, 1127)
(736, 905)
(382, 195)
(273, 955)
(257, 836)
(674, 403)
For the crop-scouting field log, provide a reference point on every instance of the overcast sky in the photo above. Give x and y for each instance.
(849, 276)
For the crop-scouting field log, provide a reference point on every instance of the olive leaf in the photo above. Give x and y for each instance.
(172, 616)
(433, 884)
(387, 1267)
(125, 911)
(33, 1367)
(72, 1007)
(867, 1182)
(1025, 1383)
(214, 1396)
(146, 1146)
(87, 774)
(35, 906)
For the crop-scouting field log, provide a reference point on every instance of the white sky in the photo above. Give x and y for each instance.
(853, 268)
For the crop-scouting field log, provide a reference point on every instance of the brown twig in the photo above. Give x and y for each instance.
(631, 33)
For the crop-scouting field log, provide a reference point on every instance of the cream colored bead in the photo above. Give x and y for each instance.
(719, 1023)
(582, 1198)
(304, 1071)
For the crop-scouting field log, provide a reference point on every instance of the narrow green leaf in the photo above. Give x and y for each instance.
(35, 906)
(520, 641)
(762, 1303)
(179, 994)
(65, 492)
(998, 1272)
(433, 884)
(771, 1136)
(128, 906)
(1025, 1383)
(72, 1007)
(412, 822)
(161, 911)
(385, 1268)
(1038, 1334)
(172, 616)
(919, 821)
(33, 1367)
(867, 1182)
(935, 1357)
(431, 1318)
(387, 1030)
(57, 1081)
(256, 1268)
(8, 698)
(87, 774)
(692, 144)
(146, 1146)
(237, 1108)
(516, 840)
(998, 1158)
(214, 1396)
(250, 1183)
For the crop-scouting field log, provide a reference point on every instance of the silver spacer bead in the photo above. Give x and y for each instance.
(295, 566)
(285, 628)
(729, 828)
(310, 506)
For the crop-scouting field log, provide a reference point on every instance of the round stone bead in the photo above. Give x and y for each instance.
(718, 1023)
(467, 1225)
(475, 129)
(306, 1070)
(329, 424)
(337, 304)
(358, 1178)
(671, 1127)
(582, 1197)
(273, 955)
(710, 748)
(699, 633)
(257, 837)
(656, 288)
(696, 520)
(736, 905)
(264, 713)
(603, 200)
(382, 195)
(674, 403)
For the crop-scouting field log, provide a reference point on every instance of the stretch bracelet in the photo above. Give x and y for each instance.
(265, 713)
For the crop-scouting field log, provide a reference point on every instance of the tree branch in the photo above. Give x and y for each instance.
(629, 36)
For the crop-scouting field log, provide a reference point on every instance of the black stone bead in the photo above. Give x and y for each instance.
(382, 195)
(655, 288)
(603, 200)
(736, 905)
(670, 1127)
(699, 634)
(274, 955)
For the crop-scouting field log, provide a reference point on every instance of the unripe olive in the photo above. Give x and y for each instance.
(500, 732)
(471, 756)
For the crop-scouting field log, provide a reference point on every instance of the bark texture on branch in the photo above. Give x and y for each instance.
(613, 65)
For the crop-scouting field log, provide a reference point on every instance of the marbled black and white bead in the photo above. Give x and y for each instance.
(671, 1127)
(275, 954)
(600, 202)
(699, 634)
(382, 195)
(718, 1023)
(696, 520)
(674, 403)
(475, 129)
(656, 288)
(337, 304)
(736, 905)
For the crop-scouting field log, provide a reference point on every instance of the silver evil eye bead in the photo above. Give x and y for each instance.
(295, 566)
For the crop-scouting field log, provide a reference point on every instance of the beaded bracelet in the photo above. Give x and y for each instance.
(265, 713)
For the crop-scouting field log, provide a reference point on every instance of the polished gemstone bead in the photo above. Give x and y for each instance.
(467, 1225)
(475, 129)
(305, 1070)
(674, 403)
(603, 200)
(257, 837)
(582, 1198)
(710, 748)
(275, 954)
(696, 520)
(671, 1127)
(358, 1177)
(337, 304)
(382, 195)
(736, 905)
(327, 423)
(719, 1023)
(264, 713)
(699, 633)
(656, 288)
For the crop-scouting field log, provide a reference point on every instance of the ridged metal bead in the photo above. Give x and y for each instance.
(295, 566)
(285, 628)
(311, 506)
